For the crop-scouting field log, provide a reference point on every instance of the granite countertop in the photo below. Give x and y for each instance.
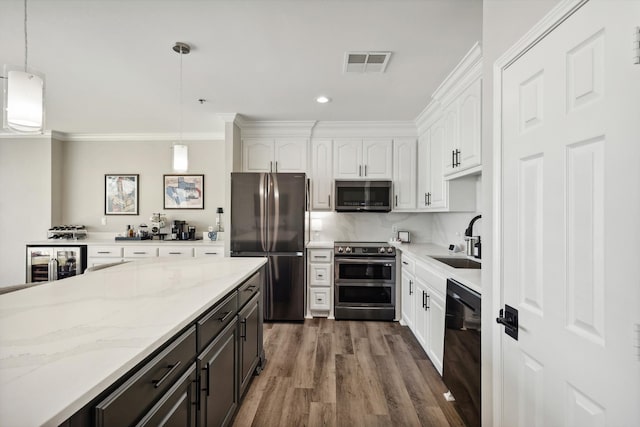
(425, 251)
(63, 343)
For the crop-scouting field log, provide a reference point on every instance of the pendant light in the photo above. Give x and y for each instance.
(24, 95)
(181, 151)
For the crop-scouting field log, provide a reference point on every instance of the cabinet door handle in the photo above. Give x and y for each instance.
(104, 252)
(226, 316)
(410, 287)
(276, 166)
(457, 157)
(365, 170)
(360, 170)
(427, 305)
(405, 262)
(175, 253)
(428, 199)
(211, 253)
(172, 368)
(424, 304)
(206, 368)
(243, 329)
(271, 166)
(396, 200)
(329, 200)
(321, 256)
(139, 253)
(425, 199)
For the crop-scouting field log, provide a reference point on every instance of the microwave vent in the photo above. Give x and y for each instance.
(366, 62)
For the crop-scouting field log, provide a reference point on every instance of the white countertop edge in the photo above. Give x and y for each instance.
(23, 393)
(113, 242)
(320, 244)
(423, 252)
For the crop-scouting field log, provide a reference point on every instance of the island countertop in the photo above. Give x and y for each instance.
(64, 342)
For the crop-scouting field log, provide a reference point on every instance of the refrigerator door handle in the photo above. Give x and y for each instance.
(274, 216)
(263, 213)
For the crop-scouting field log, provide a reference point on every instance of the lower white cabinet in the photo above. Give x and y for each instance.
(320, 282)
(176, 251)
(423, 307)
(208, 251)
(134, 252)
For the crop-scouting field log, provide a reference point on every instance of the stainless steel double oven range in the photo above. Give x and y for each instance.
(365, 280)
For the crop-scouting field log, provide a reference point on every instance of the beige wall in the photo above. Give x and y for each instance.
(25, 202)
(86, 163)
(504, 22)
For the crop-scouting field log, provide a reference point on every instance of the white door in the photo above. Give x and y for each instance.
(450, 137)
(290, 155)
(408, 295)
(404, 173)
(377, 159)
(347, 159)
(570, 196)
(321, 174)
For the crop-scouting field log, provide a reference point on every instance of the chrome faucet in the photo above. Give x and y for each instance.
(474, 247)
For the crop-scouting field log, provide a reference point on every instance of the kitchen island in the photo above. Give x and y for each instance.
(62, 344)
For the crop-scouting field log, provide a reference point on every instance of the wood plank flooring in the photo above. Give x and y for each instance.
(345, 373)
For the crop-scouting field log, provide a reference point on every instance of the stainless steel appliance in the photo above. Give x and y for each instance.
(268, 219)
(47, 263)
(363, 196)
(365, 280)
(461, 362)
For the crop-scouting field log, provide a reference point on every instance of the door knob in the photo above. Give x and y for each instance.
(508, 317)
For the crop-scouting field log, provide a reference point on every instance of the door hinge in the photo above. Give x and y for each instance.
(636, 45)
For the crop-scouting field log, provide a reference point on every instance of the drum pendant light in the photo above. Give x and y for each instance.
(24, 95)
(181, 151)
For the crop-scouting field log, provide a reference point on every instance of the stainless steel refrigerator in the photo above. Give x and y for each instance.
(268, 219)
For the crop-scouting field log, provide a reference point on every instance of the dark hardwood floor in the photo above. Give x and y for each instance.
(345, 373)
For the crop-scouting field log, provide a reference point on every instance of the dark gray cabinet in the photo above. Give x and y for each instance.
(177, 407)
(250, 340)
(218, 367)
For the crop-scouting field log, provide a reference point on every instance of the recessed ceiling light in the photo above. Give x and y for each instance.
(322, 99)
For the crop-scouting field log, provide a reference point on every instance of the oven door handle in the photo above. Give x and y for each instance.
(364, 260)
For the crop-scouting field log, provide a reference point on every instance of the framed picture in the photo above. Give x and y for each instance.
(121, 194)
(183, 191)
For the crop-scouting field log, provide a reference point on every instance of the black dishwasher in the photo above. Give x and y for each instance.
(461, 364)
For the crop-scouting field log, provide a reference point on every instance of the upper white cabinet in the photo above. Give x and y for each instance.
(363, 159)
(463, 129)
(274, 155)
(404, 173)
(321, 174)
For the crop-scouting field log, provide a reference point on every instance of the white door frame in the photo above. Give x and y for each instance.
(550, 21)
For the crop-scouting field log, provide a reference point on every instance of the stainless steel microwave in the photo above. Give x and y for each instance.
(363, 196)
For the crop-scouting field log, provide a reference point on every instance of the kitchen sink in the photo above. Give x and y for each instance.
(459, 262)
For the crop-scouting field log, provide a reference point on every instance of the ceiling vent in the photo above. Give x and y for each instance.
(366, 62)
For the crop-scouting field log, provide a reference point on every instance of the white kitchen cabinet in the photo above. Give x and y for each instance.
(423, 306)
(408, 284)
(274, 155)
(176, 251)
(463, 128)
(208, 251)
(100, 255)
(404, 173)
(135, 252)
(320, 282)
(434, 192)
(363, 159)
(321, 174)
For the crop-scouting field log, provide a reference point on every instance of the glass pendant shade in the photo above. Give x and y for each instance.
(180, 158)
(24, 102)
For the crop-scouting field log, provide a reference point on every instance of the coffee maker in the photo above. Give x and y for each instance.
(179, 230)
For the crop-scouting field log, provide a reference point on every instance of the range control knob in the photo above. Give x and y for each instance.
(340, 249)
(390, 250)
(348, 249)
(381, 250)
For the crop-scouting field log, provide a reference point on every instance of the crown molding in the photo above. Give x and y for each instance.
(137, 137)
(428, 116)
(229, 117)
(468, 69)
(365, 129)
(276, 128)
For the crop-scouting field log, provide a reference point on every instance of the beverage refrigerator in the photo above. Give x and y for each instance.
(268, 216)
(47, 263)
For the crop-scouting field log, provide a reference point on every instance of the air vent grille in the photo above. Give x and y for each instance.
(366, 62)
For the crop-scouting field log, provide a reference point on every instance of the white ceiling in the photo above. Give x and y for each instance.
(110, 67)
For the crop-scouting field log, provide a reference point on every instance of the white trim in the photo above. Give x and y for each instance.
(15, 135)
(229, 117)
(551, 20)
(137, 137)
(275, 128)
(470, 66)
(362, 129)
